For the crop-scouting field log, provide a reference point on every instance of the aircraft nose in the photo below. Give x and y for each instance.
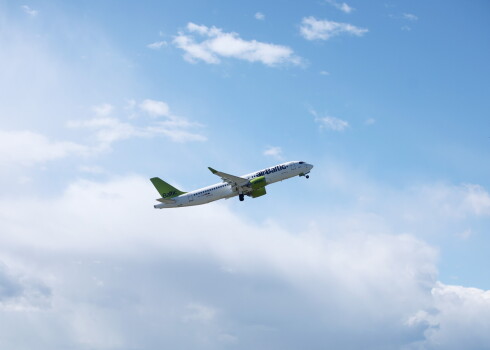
(310, 166)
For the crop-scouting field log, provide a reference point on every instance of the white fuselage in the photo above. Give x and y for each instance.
(225, 190)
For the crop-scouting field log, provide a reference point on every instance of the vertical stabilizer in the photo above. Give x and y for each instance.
(165, 190)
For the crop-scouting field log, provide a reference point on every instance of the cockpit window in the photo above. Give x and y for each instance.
(301, 162)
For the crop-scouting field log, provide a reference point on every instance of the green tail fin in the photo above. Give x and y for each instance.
(165, 190)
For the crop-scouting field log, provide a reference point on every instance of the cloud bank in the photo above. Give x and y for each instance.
(26, 148)
(88, 277)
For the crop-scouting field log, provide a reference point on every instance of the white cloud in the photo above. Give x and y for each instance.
(26, 148)
(410, 16)
(18, 294)
(103, 110)
(456, 202)
(176, 134)
(405, 16)
(465, 234)
(31, 12)
(275, 152)
(111, 129)
(260, 16)
(199, 313)
(459, 318)
(91, 169)
(436, 210)
(313, 29)
(332, 123)
(130, 104)
(328, 122)
(324, 72)
(157, 45)
(370, 121)
(342, 6)
(476, 200)
(218, 44)
(155, 108)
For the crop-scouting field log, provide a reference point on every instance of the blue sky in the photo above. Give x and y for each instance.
(385, 246)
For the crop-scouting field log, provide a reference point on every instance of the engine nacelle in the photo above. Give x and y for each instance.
(258, 183)
(258, 192)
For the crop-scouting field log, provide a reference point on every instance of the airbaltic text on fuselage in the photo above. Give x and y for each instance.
(271, 170)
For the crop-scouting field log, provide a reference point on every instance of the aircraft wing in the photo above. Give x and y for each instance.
(231, 179)
(165, 200)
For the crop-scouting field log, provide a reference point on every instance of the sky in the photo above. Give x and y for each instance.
(385, 246)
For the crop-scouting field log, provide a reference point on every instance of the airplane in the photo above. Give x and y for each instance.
(252, 185)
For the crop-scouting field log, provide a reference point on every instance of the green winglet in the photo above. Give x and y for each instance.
(212, 170)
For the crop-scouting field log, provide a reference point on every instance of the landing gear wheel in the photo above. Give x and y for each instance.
(241, 197)
(307, 176)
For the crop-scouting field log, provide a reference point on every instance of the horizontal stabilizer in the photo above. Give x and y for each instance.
(167, 201)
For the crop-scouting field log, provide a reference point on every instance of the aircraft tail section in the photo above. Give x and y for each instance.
(166, 191)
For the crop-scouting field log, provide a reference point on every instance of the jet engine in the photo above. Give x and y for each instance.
(258, 187)
(258, 182)
(258, 192)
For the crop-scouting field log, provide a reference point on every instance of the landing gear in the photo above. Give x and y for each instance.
(241, 196)
(307, 176)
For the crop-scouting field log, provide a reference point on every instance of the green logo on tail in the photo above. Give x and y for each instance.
(165, 190)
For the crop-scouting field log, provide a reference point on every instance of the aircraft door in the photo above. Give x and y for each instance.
(293, 166)
(191, 198)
